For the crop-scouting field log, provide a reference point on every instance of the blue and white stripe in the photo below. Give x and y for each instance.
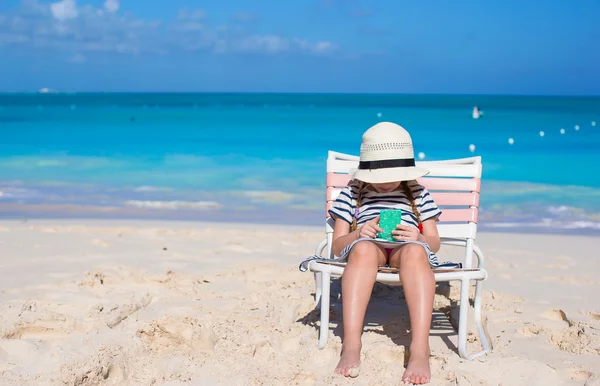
(373, 202)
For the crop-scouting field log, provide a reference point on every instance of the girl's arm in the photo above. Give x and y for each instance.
(430, 235)
(342, 237)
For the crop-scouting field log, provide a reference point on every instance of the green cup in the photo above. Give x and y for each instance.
(388, 220)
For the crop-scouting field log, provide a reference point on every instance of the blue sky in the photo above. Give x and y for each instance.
(436, 46)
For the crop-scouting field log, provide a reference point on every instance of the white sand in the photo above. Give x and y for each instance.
(167, 303)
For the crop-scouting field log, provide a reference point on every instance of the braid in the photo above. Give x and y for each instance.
(361, 189)
(408, 192)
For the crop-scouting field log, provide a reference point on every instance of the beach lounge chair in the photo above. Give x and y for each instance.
(454, 185)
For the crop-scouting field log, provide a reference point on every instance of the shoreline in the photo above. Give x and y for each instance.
(237, 217)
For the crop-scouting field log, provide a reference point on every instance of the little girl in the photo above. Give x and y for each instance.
(385, 179)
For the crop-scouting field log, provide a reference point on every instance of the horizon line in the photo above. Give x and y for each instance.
(53, 92)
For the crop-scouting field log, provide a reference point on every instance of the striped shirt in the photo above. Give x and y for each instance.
(373, 202)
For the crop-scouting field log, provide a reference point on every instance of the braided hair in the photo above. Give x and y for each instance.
(411, 199)
(362, 187)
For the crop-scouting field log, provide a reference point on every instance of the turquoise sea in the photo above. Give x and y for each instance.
(261, 157)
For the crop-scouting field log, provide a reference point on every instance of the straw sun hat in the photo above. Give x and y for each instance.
(387, 155)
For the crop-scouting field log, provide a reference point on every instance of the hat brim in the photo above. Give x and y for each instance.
(381, 176)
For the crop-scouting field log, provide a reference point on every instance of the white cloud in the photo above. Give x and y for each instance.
(244, 17)
(64, 10)
(194, 14)
(268, 43)
(322, 47)
(112, 6)
(69, 27)
(13, 38)
(78, 58)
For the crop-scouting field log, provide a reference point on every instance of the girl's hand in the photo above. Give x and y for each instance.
(404, 232)
(370, 229)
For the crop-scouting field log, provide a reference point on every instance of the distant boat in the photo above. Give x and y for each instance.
(46, 90)
(476, 112)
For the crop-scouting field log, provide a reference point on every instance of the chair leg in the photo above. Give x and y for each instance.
(319, 286)
(464, 317)
(324, 327)
(483, 337)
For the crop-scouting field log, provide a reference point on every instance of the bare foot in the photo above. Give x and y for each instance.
(348, 365)
(417, 372)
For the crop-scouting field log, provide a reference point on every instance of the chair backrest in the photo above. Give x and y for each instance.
(454, 185)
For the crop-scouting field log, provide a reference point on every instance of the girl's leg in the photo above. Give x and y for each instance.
(357, 284)
(419, 289)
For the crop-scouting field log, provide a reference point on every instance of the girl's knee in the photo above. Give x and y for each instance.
(364, 251)
(413, 252)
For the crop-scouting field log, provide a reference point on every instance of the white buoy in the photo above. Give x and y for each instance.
(542, 133)
(378, 115)
(472, 148)
(562, 131)
(511, 141)
(593, 123)
(421, 155)
(576, 127)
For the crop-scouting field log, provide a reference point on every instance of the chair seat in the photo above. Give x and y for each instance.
(390, 275)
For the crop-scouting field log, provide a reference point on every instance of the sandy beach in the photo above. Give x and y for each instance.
(103, 302)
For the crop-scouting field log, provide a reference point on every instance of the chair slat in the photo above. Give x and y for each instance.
(337, 180)
(453, 170)
(459, 215)
(431, 183)
(440, 198)
(332, 193)
(448, 230)
(451, 184)
(448, 215)
(340, 166)
(456, 198)
(457, 231)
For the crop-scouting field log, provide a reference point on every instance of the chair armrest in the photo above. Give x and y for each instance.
(463, 243)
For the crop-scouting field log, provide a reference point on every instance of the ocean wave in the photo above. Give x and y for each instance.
(546, 224)
(17, 193)
(145, 188)
(174, 205)
(73, 162)
(269, 197)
